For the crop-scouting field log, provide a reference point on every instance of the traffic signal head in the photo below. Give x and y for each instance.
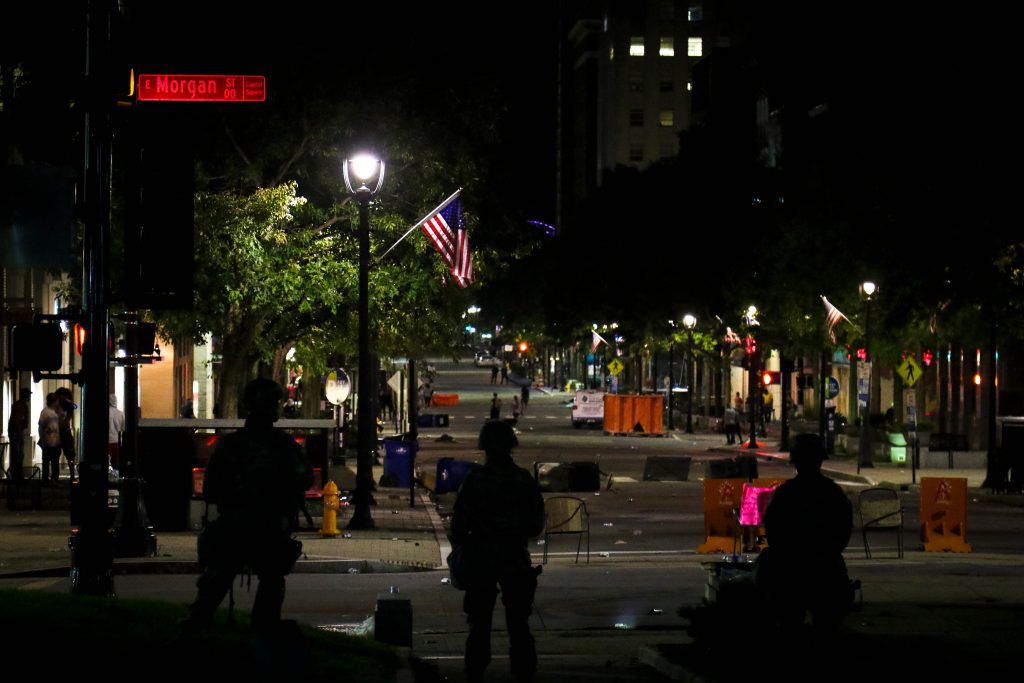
(769, 377)
(523, 347)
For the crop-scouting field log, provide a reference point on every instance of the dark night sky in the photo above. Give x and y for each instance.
(465, 46)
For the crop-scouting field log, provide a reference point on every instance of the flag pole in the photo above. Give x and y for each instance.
(423, 220)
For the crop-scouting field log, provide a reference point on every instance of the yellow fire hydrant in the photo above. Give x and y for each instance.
(332, 500)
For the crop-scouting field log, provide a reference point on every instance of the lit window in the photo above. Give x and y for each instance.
(636, 152)
(611, 53)
(636, 46)
(666, 86)
(694, 46)
(636, 117)
(666, 118)
(695, 12)
(667, 48)
(689, 86)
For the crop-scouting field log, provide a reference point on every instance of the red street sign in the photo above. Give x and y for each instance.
(201, 88)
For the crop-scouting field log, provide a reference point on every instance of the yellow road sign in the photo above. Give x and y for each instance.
(616, 366)
(909, 371)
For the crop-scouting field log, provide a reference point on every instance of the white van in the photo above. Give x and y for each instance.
(587, 408)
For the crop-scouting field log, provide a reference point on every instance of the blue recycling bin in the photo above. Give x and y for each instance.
(399, 459)
(451, 473)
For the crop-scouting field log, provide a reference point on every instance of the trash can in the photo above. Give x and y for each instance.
(898, 449)
(450, 473)
(399, 458)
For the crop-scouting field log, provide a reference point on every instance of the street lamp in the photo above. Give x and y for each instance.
(368, 173)
(867, 291)
(753, 389)
(689, 322)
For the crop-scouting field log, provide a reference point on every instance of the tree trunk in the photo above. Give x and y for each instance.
(236, 370)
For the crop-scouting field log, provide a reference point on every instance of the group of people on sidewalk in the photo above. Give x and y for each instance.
(56, 434)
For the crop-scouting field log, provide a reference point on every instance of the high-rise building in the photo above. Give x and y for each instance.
(626, 83)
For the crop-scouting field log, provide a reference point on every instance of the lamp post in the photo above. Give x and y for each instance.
(689, 322)
(368, 172)
(867, 291)
(671, 373)
(753, 387)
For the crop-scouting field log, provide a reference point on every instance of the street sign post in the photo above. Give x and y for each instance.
(201, 88)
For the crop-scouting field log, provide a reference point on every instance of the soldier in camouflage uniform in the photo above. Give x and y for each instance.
(498, 508)
(257, 478)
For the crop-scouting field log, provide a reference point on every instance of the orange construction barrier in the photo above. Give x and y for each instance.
(444, 399)
(633, 414)
(944, 514)
(722, 497)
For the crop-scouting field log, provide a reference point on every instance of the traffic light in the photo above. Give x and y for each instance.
(769, 377)
(523, 347)
(79, 335)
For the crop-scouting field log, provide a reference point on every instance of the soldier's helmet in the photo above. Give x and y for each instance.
(262, 397)
(497, 436)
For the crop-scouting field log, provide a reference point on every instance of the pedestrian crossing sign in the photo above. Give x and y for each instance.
(909, 371)
(616, 366)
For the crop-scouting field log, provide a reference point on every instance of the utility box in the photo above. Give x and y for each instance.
(898, 449)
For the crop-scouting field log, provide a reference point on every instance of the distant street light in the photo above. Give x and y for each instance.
(867, 291)
(689, 322)
(368, 172)
(753, 388)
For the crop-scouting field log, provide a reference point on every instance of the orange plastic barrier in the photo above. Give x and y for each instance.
(632, 413)
(444, 400)
(722, 497)
(944, 514)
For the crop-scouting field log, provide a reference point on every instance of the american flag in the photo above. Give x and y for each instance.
(445, 231)
(596, 341)
(463, 268)
(832, 316)
(441, 227)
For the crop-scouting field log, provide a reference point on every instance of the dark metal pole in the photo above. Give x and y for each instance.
(92, 555)
(752, 388)
(865, 426)
(787, 379)
(689, 384)
(413, 393)
(671, 380)
(133, 533)
(367, 437)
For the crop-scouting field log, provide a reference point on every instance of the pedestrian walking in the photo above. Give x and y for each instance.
(257, 478)
(494, 374)
(525, 395)
(498, 509)
(732, 426)
(115, 428)
(737, 403)
(504, 372)
(66, 412)
(495, 407)
(49, 438)
(18, 435)
(516, 407)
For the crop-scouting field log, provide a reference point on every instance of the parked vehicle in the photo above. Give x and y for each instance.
(587, 408)
(486, 360)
